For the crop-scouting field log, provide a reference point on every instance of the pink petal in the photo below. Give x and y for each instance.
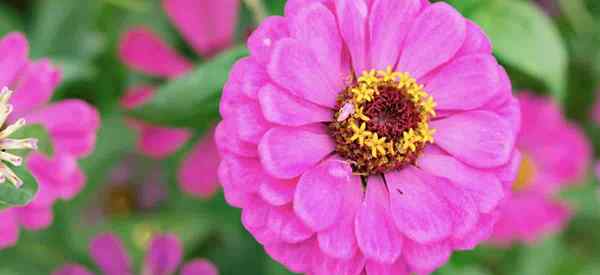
(466, 83)
(339, 241)
(164, 255)
(390, 21)
(250, 123)
(280, 107)
(233, 195)
(464, 209)
(35, 218)
(143, 50)
(293, 7)
(254, 78)
(277, 192)
(288, 152)
(255, 217)
(377, 236)
(72, 125)
(36, 85)
(485, 188)
(295, 67)
(9, 228)
(476, 41)
(324, 265)
(228, 142)
(263, 39)
(426, 257)
(434, 38)
(316, 28)
(208, 25)
(352, 20)
(287, 226)
(297, 257)
(199, 267)
(198, 172)
(247, 173)
(60, 174)
(109, 254)
(14, 49)
(419, 213)
(480, 139)
(375, 268)
(159, 142)
(319, 195)
(480, 233)
(137, 96)
(72, 269)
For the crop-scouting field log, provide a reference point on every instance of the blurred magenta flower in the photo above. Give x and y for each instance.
(163, 258)
(555, 154)
(350, 154)
(72, 125)
(209, 27)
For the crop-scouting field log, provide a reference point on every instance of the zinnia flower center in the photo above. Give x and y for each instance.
(525, 175)
(383, 121)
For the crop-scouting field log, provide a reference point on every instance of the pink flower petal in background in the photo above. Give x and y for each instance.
(72, 126)
(163, 258)
(198, 172)
(207, 25)
(555, 154)
(144, 51)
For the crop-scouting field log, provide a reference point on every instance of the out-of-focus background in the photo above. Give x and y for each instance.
(551, 47)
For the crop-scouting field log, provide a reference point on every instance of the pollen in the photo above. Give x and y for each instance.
(7, 143)
(383, 121)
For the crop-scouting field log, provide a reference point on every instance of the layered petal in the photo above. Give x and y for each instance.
(385, 42)
(466, 83)
(282, 108)
(434, 38)
(377, 236)
(288, 152)
(480, 139)
(319, 195)
(418, 211)
(353, 19)
(263, 39)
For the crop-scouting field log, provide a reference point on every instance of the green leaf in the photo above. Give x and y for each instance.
(9, 20)
(40, 133)
(12, 196)
(523, 37)
(193, 99)
(64, 28)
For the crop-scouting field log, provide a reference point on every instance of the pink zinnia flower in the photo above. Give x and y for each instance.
(209, 27)
(367, 136)
(555, 153)
(163, 258)
(71, 124)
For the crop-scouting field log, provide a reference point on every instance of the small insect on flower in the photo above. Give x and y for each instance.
(7, 143)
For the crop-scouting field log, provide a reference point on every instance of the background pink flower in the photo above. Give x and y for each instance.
(304, 202)
(72, 126)
(555, 154)
(163, 258)
(209, 27)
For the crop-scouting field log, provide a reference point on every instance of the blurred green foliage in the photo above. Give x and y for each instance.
(557, 56)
